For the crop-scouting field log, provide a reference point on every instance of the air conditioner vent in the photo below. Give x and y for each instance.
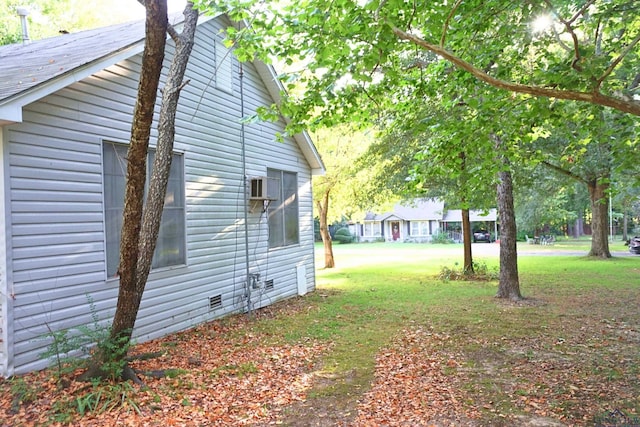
(268, 284)
(215, 302)
(264, 188)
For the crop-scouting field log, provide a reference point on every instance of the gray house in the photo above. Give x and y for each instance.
(418, 220)
(237, 230)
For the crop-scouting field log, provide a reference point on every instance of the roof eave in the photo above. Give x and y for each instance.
(11, 107)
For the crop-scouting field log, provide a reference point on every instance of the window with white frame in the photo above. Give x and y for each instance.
(170, 248)
(372, 229)
(420, 228)
(284, 227)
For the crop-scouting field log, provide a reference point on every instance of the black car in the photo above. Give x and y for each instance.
(481, 236)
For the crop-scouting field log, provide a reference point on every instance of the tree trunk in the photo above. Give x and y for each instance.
(625, 223)
(323, 207)
(141, 226)
(467, 239)
(130, 293)
(580, 226)
(599, 218)
(509, 286)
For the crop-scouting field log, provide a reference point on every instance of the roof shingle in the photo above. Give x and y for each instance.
(26, 66)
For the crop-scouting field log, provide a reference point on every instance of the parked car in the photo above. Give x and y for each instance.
(634, 245)
(481, 236)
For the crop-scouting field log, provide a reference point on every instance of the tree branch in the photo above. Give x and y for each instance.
(173, 33)
(626, 106)
(445, 27)
(617, 61)
(564, 172)
(568, 26)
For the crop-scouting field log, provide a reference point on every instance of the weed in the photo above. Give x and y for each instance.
(102, 397)
(68, 345)
(174, 373)
(23, 393)
(481, 272)
(236, 370)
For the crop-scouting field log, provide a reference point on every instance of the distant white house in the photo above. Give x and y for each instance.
(419, 220)
(225, 246)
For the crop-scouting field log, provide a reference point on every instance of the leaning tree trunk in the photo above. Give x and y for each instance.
(509, 286)
(600, 216)
(140, 229)
(130, 294)
(466, 238)
(323, 207)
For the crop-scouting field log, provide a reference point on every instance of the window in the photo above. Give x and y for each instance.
(283, 212)
(170, 248)
(420, 228)
(372, 229)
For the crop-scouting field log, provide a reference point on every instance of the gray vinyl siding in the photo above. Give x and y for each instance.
(56, 205)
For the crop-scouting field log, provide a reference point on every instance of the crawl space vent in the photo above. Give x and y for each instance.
(268, 285)
(215, 302)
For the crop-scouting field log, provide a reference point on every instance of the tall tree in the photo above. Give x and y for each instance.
(509, 284)
(589, 145)
(141, 219)
(339, 191)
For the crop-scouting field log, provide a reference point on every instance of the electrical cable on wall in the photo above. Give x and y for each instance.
(245, 192)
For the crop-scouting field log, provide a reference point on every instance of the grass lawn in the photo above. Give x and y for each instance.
(569, 352)
(383, 341)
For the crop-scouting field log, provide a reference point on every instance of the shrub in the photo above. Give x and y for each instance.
(343, 235)
(441, 238)
(480, 272)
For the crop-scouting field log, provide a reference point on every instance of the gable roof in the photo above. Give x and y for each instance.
(418, 210)
(430, 209)
(29, 72)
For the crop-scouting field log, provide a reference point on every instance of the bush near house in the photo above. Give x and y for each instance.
(343, 235)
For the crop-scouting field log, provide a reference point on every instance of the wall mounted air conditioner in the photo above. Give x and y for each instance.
(264, 188)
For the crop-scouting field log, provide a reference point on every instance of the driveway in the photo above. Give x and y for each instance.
(493, 249)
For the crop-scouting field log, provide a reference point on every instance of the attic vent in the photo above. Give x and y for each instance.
(215, 302)
(268, 284)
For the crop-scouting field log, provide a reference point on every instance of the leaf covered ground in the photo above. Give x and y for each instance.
(567, 356)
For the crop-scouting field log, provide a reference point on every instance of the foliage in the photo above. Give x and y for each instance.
(68, 346)
(100, 399)
(547, 201)
(348, 186)
(441, 238)
(343, 235)
(22, 392)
